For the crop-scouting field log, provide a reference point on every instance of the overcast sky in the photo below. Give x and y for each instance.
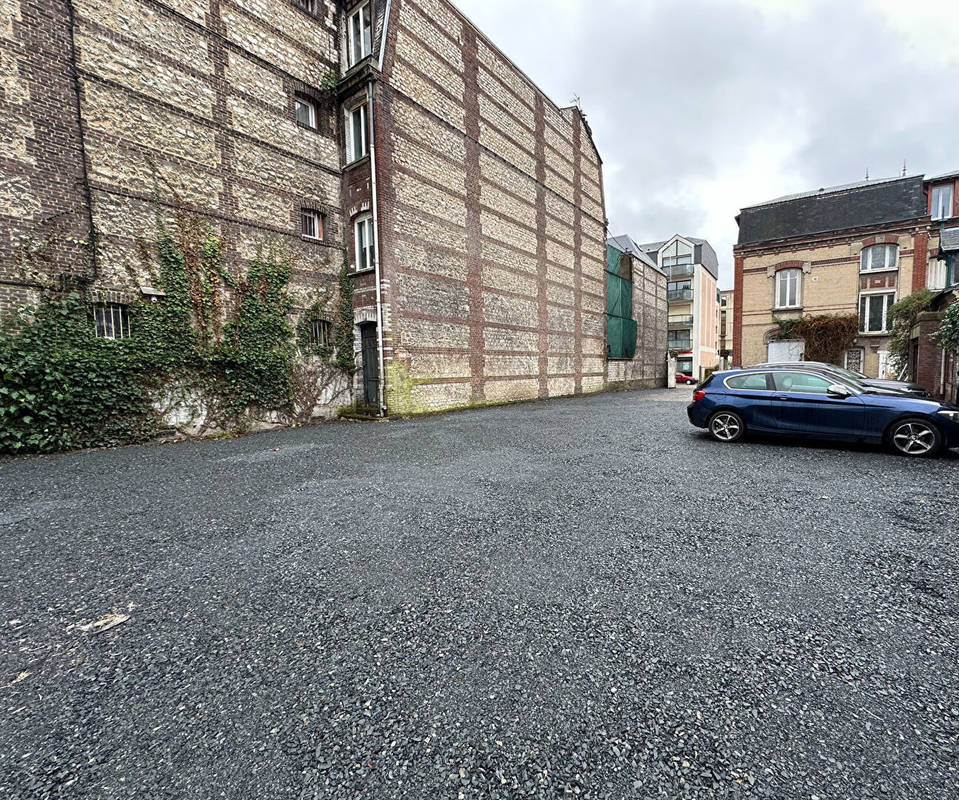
(701, 107)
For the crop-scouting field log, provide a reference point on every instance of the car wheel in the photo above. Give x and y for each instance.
(914, 437)
(727, 426)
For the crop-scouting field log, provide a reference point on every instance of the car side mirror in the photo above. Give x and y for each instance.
(838, 390)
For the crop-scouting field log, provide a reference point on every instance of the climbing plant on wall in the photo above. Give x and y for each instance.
(903, 315)
(64, 387)
(826, 336)
(947, 337)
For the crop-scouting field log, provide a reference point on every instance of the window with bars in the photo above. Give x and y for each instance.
(309, 6)
(311, 223)
(878, 257)
(321, 333)
(112, 321)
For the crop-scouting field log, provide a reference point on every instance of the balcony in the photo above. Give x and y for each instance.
(679, 271)
(684, 321)
(675, 295)
(679, 343)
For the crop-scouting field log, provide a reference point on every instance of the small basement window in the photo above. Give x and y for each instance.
(320, 333)
(309, 6)
(112, 321)
(311, 223)
(305, 112)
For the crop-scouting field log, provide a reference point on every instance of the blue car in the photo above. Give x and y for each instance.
(808, 403)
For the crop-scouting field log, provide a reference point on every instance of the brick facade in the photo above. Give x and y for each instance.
(487, 199)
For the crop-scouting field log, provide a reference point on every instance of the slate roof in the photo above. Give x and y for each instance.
(949, 240)
(856, 205)
(625, 244)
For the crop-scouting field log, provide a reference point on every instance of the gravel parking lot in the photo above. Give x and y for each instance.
(579, 598)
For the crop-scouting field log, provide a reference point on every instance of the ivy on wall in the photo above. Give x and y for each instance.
(827, 337)
(63, 387)
(903, 315)
(947, 337)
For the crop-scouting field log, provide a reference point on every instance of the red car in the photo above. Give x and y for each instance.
(682, 378)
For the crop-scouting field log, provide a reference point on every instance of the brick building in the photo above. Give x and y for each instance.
(636, 310)
(391, 135)
(853, 249)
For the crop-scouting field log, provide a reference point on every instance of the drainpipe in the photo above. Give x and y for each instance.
(376, 258)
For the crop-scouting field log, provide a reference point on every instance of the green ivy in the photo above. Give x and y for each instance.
(903, 315)
(64, 388)
(947, 337)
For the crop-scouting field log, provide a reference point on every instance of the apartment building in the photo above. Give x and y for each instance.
(692, 271)
(636, 311)
(388, 135)
(853, 249)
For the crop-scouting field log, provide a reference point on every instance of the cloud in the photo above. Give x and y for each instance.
(700, 107)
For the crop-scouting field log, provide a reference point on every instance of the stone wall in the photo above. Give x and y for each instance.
(492, 224)
(194, 101)
(647, 369)
(44, 220)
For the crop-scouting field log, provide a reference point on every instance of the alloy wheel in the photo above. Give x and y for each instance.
(726, 427)
(914, 438)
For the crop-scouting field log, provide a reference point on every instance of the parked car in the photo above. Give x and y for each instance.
(880, 383)
(682, 377)
(813, 403)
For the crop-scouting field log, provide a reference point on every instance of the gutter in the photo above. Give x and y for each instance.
(87, 193)
(381, 388)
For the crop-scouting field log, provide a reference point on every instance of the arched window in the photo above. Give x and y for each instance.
(788, 288)
(879, 256)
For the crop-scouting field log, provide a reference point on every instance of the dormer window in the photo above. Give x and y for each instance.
(942, 202)
(359, 34)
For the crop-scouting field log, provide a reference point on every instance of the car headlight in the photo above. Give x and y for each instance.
(952, 416)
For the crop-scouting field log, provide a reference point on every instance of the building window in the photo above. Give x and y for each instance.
(936, 274)
(320, 333)
(359, 35)
(358, 133)
(311, 223)
(112, 321)
(309, 6)
(942, 202)
(788, 282)
(874, 312)
(677, 253)
(879, 256)
(363, 242)
(305, 112)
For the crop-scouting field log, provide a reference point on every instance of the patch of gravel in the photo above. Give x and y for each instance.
(581, 598)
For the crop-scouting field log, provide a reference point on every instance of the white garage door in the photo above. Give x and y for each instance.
(786, 351)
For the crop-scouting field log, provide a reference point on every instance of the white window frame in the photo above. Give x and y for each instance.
(936, 274)
(781, 277)
(866, 258)
(363, 235)
(352, 153)
(359, 32)
(942, 210)
(317, 224)
(864, 318)
(310, 106)
(119, 319)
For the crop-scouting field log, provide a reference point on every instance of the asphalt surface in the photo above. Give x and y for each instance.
(579, 598)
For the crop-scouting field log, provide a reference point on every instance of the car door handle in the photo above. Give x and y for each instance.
(782, 396)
